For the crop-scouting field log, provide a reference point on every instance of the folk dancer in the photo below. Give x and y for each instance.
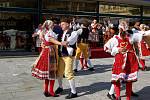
(143, 48)
(45, 67)
(125, 67)
(66, 58)
(82, 46)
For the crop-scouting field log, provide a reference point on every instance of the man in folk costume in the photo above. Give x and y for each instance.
(82, 46)
(143, 48)
(46, 64)
(66, 57)
(125, 66)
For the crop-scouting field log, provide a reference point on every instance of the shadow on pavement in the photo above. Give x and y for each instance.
(98, 69)
(91, 89)
(144, 94)
(148, 69)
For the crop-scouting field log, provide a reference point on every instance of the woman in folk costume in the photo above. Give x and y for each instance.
(84, 62)
(143, 48)
(45, 66)
(125, 65)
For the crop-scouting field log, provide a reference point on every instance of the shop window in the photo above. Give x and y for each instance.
(146, 11)
(69, 5)
(19, 3)
(120, 10)
(55, 5)
(15, 31)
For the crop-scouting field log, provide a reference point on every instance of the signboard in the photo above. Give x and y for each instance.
(5, 4)
(7, 23)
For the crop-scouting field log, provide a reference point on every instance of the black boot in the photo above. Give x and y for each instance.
(134, 94)
(46, 94)
(71, 95)
(75, 70)
(112, 97)
(59, 90)
(91, 69)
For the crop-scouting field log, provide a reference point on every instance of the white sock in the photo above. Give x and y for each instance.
(76, 64)
(90, 64)
(72, 86)
(112, 89)
(60, 82)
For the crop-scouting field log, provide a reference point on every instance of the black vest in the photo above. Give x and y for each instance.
(63, 51)
(84, 36)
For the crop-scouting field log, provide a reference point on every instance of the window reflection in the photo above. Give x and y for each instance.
(69, 5)
(18, 3)
(121, 10)
(146, 12)
(15, 31)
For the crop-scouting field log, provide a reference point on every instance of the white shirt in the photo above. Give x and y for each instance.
(134, 30)
(73, 38)
(64, 34)
(111, 45)
(50, 34)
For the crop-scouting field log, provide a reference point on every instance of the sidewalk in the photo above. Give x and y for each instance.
(95, 53)
(16, 82)
(15, 54)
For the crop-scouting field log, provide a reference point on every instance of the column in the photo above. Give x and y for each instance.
(39, 11)
(141, 13)
(97, 10)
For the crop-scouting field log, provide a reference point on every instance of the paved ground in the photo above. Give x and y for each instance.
(16, 82)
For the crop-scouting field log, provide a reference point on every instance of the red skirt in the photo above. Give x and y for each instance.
(144, 49)
(45, 66)
(127, 73)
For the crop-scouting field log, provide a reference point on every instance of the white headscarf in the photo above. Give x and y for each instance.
(47, 24)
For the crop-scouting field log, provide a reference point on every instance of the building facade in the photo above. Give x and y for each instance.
(19, 18)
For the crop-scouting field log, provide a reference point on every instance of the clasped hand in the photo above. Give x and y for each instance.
(121, 50)
(64, 43)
